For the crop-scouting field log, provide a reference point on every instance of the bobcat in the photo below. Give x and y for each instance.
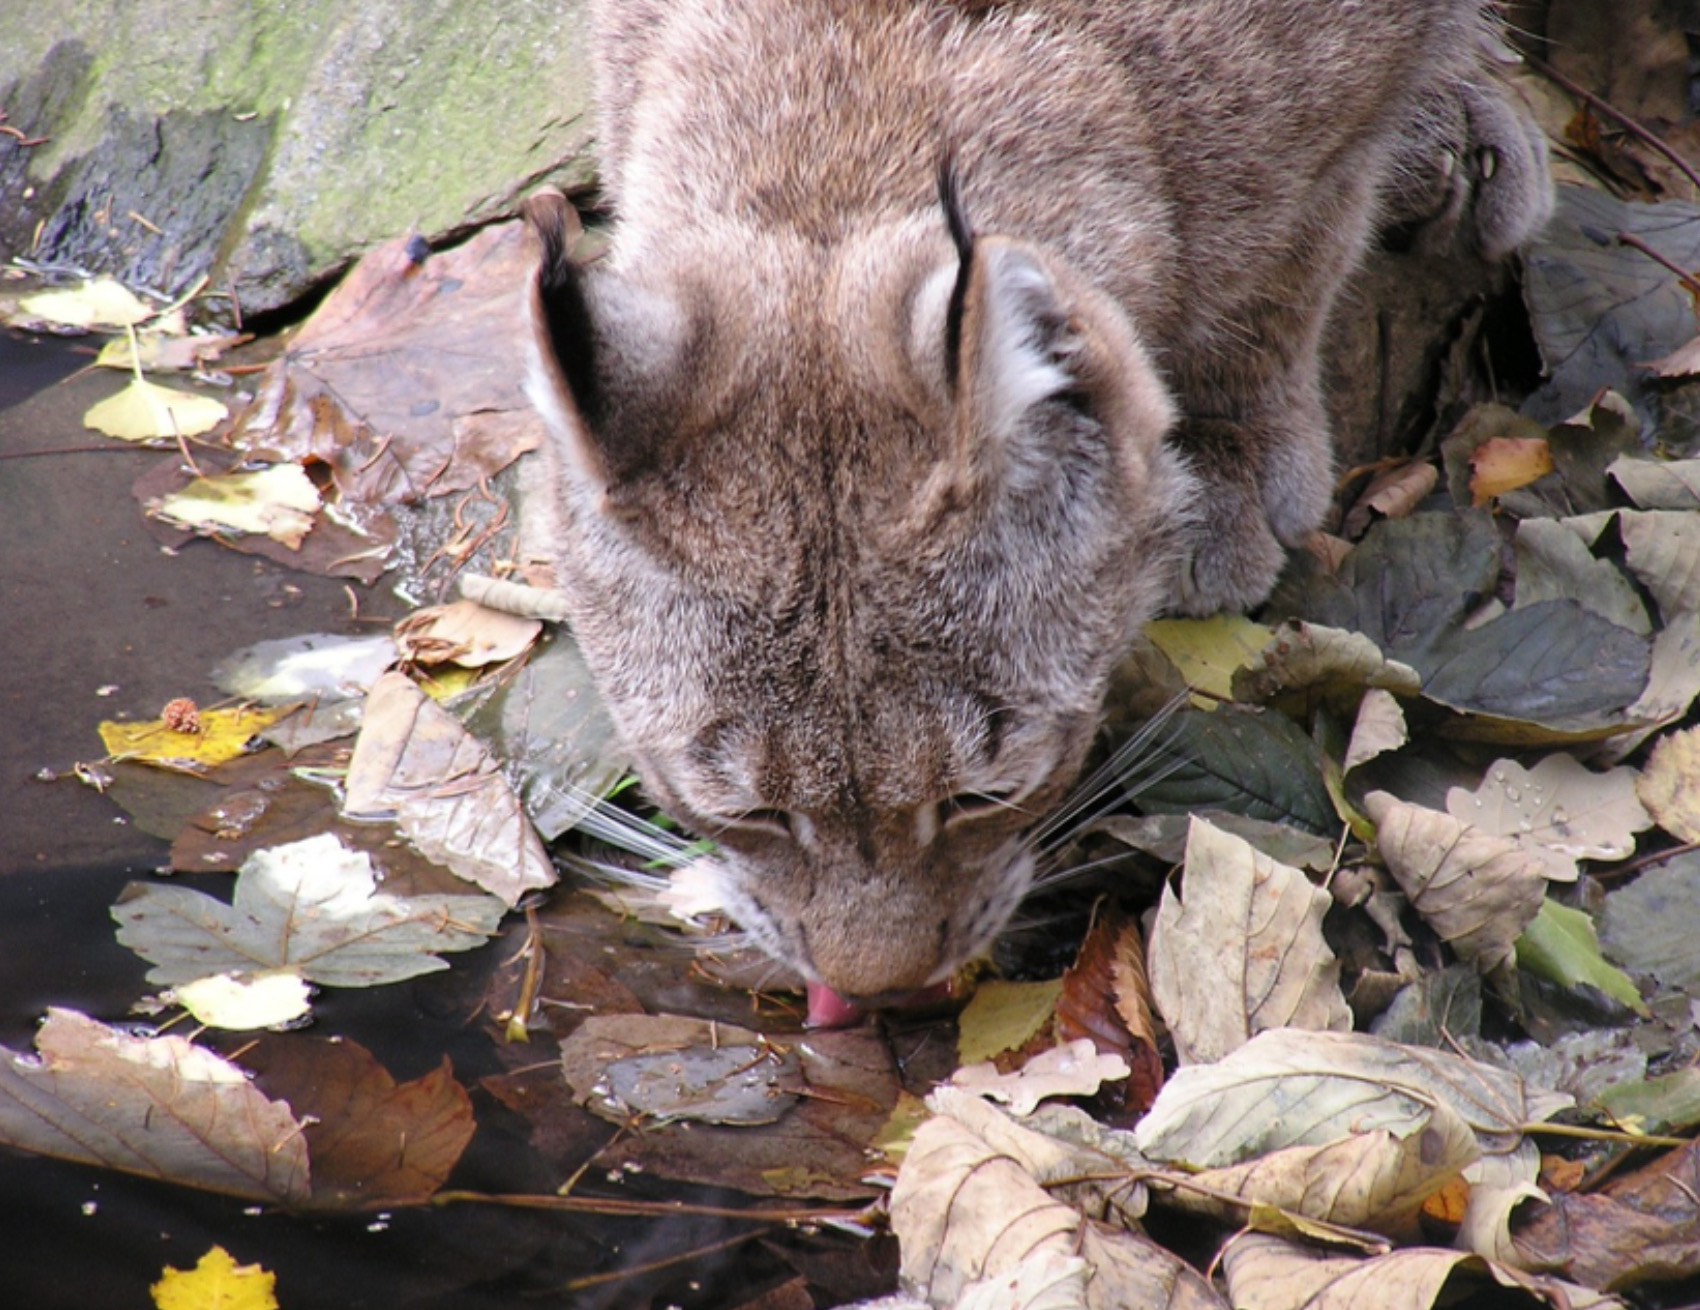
(939, 346)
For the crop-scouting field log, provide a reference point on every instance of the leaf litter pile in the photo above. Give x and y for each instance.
(1385, 991)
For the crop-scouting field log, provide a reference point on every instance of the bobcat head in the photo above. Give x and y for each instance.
(853, 533)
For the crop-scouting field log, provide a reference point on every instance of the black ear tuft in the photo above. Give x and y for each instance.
(956, 218)
(563, 309)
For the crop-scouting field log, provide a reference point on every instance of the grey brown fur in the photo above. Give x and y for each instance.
(853, 610)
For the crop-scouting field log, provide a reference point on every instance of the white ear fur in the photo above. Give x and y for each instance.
(1018, 320)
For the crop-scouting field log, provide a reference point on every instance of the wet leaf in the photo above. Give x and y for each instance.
(224, 736)
(1649, 925)
(414, 763)
(363, 388)
(160, 352)
(277, 502)
(1004, 1016)
(1245, 761)
(374, 1142)
(161, 1107)
(1477, 891)
(146, 411)
(464, 633)
(1559, 810)
(100, 303)
(309, 666)
(311, 907)
(1561, 946)
(1073, 1069)
(1243, 953)
(1269, 1273)
(243, 1004)
(817, 1147)
(216, 1282)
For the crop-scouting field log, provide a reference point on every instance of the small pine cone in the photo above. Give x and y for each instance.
(182, 715)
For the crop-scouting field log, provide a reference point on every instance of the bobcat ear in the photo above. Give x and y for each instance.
(564, 383)
(606, 355)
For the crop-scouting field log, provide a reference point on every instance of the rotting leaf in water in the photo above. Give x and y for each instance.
(100, 303)
(146, 411)
(414, 763)
(216, 1282)
(311, 907)
(362, 387)
(161, 1107)
(222, 735)
(373, 1141)
(279, 502)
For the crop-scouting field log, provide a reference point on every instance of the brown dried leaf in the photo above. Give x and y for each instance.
(1105, 998)
(161, 1107)
(1670, 784)
(1478, 891)
(1243, 953)
(415, 763)
(466, 633)
(1391, 494)
(374, 1142)
(364, 387)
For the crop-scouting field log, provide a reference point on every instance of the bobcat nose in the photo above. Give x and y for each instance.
(830, 1009)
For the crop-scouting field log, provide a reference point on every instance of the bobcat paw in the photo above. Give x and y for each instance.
(1231, 561)
(1474, 165)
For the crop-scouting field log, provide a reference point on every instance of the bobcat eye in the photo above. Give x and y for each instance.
(769, 823)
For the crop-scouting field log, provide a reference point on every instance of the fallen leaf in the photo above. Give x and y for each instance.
(1666, 1104)
(159, 352)
(1073, 1069)
(1503, 464)
(1670, 784)
(1207, 651)
(363, 388)
(1554, 563)
(224, 736)
(311, 907)
(161, 1107)
(1106, 998)
(1309, 663)
(1658, 483)
(1243, 952)
(1559, 810)
(277, 502)
(310, 666)
(1004, 1016)
(1649, 925)
(1561, 946)
(146, 411)
(374, 1142)
(414, 763)
(100, 303)
(1380, 728)
(1682, 362)
(265, 1000)
(466, 633)
(216, 1282)
(1269, 1273)
(1477, 891)
(1662, 548)
(1392, 494)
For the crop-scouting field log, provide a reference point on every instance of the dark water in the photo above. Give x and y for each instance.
(96, 622)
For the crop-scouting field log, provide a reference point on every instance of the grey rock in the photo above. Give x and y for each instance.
(267, 144)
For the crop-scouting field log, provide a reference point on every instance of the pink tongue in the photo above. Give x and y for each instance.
(827, 1009)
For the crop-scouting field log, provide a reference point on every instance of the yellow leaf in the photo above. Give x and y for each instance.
(216, 1283)
(1003, 1016)
(146, 411)
(1670, 785)
(223, 735)
(101, 303)
(1207, 651)
(1503, 464)
(239, 1004)
(277, 502)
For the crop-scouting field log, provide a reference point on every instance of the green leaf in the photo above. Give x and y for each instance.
(1561, 946)
(1245, 761)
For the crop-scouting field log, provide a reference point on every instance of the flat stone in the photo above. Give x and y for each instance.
(268, 144)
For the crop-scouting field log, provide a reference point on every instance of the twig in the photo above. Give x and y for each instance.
(619, 1206)
(1634, 128)
(124, 447)
(1687, 279)
(665, 1262)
